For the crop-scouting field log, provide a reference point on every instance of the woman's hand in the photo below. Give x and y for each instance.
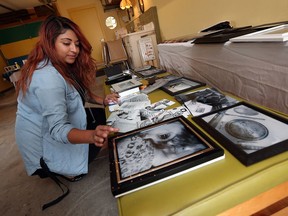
(101, 133)
(111, 98)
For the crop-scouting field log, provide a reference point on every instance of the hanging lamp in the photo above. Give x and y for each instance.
(125, 4)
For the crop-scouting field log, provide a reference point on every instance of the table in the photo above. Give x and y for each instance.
(257, 72)
(209, 190)
(268, 203)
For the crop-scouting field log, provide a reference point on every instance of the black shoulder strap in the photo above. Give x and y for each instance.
(57, 181)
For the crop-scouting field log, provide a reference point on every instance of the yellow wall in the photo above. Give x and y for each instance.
(65, 5)
(13, 50)
(19, 48)
(185, 17)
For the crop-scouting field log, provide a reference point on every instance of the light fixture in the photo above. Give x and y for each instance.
(125, 4)
(47, 1)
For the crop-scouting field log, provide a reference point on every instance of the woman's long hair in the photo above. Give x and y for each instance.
(84, 67)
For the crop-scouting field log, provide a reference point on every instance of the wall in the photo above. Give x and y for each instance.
(15, 44)
(185, 17)
(64, 6)
(18, 48)
(4, 84)
(17, 41)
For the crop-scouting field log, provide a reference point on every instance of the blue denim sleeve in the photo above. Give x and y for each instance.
(51, 91)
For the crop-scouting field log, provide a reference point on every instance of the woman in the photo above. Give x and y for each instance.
(54, 84)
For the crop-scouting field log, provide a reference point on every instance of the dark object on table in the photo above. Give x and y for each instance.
(181, 85)
(152, 71)
(224, 35)
(115, 74)
(218, 26)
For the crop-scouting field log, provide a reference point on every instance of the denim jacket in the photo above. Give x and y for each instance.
(45, 115)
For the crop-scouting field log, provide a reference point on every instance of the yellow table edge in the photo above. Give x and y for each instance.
(215, 203)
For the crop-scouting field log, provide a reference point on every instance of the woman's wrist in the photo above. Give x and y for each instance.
(92, 135)
(97, 100)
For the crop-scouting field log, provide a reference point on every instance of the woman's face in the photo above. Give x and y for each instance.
(67, 46)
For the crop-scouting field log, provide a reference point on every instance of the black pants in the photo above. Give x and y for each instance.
(95, 117)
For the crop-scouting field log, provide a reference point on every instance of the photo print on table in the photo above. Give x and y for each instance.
(181, 85)
(158, 152)
(205, 100)
(250, 133)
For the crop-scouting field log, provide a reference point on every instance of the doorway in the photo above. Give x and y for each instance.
(88, 20)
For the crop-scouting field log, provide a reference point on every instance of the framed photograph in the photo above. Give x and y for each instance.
(126, 85)
(178, 86)
(150, 72)
(205, 100)
(274, 34)
(171, 77)
(250, 133)
(152, 154)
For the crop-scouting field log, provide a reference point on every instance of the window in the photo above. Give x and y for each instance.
(111, 22)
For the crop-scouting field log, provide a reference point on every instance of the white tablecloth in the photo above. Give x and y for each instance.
(257, 72)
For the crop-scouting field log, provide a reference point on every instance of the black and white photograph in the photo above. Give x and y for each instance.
(181, 85)
(208, 96)
(162, 104)
(138, 112)
(147, 152)
(152, 116)
(197, 108)
(160, 145)
(172, 77)
(251, 134)
(126, 85)
(150, 72)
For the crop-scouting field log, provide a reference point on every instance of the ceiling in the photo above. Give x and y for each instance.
(17, 11)
(13, 12)
(7, 6)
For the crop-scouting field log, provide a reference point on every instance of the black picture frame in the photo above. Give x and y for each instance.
(250, 133)
(182, 85)
(137, 158)
(202, 97)
(149, 72)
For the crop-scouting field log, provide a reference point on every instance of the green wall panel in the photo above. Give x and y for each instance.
(18, 33)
